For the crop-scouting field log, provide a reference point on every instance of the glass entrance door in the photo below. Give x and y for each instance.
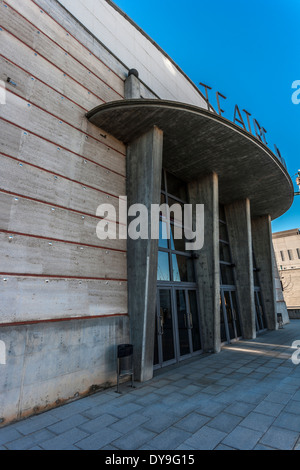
(177, 325)
(183, 323)
(259, 312)
(164, 350)
(230, 322)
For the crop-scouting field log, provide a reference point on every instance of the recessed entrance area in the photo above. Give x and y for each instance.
(177, 334)
(207, 157)
(230, 322)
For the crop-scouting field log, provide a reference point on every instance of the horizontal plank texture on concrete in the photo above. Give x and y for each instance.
(57, 167)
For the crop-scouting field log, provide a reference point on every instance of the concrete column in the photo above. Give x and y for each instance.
(132, 85)
(262, 246)
(144, 169)
(207, 267)
(238, 218)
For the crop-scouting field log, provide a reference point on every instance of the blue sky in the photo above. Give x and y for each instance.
(248, 50)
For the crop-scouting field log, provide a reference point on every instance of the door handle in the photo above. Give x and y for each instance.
(161, 322)
(188, 321)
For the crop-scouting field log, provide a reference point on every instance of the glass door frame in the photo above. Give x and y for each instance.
(174, 287)
(158, 330)
(259, 301)
(229, 289)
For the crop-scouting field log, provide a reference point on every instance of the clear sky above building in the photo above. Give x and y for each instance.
(249, 51)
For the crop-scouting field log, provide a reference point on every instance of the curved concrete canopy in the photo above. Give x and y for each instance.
(198, 142)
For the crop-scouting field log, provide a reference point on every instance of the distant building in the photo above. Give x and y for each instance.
(287, 252)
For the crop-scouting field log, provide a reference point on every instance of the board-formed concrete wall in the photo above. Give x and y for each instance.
(63, 291)
(50, 363)
(133, 47)
(64, 302)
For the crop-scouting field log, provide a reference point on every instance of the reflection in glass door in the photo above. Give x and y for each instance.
(260, 319)
(224, 334)
(259, 311)
(177, 325)
(164, 339)
(194, 319)
(230, 322)
(183, 322)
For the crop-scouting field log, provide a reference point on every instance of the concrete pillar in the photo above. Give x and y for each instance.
(144, 169)
(132, 85)
(207, 266)
(238, 218)
(262, 246)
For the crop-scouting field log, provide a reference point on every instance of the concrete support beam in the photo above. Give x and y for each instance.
(262, 246)
(207, 267)
(238, 219)
(132, 85)
(144, 169)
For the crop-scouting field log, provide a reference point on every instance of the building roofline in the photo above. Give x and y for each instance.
(159, 48)
(286, 233)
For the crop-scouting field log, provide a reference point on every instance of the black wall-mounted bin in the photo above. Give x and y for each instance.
(125, 363)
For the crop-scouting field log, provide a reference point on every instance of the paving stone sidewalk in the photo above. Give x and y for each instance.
(247, 398)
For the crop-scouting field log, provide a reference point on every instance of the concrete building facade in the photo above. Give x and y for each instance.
(95, 110)
(287, 252)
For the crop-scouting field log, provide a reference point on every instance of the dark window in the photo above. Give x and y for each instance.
(176, 187)
(225, 252)
(227, 278)
(183, 269)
